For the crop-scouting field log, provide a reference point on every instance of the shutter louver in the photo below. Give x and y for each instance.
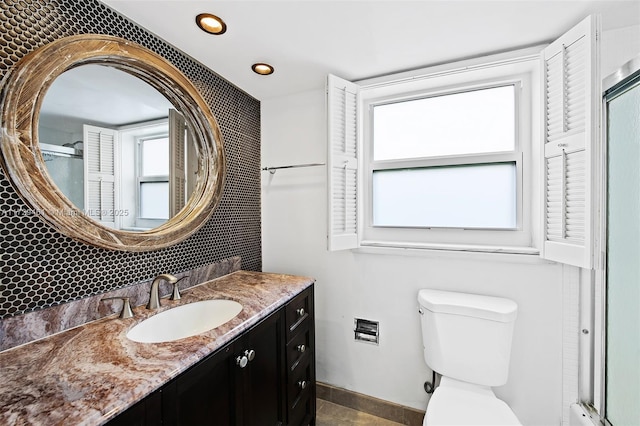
(571, 105)
(342, 170)
(101, 198)
(575, 229)
(554, 216)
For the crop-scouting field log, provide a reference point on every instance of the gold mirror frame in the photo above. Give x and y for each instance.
(24, 88)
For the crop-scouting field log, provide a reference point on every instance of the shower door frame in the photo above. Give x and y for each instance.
(593, 355)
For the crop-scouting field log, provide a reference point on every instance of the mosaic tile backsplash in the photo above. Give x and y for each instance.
(40, 267)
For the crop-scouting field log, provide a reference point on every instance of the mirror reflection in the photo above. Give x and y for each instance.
(116, 147)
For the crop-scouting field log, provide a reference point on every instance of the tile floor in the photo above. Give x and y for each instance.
(330, 414)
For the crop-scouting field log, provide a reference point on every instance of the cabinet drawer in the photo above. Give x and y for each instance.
(300, 383)
(297, 312)
(299, 349)
(303, 412)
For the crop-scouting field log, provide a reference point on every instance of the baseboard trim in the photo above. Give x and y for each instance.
(370, 405)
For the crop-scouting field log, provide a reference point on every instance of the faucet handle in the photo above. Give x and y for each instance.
(126, 306)
(175, 295)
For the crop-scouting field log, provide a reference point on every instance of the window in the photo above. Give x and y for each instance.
(449, 160)
(154, 157)
(444, 157)
(153, 177)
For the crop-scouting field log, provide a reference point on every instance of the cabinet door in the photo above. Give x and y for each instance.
(261, 381)
(147, 412)
(204, 395)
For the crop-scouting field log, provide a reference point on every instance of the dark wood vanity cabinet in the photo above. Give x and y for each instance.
(203, 395)
(144, 413)
(300, 359)
(260, 383)
(238, 385)
(264, 377)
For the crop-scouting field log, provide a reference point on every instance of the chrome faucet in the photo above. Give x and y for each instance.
(154, 296)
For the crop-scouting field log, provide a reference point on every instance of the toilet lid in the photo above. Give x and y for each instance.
(453, 406)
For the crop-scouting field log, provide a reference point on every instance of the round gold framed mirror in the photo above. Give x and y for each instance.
(192, 189)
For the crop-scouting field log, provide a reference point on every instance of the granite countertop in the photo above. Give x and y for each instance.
(89, 374)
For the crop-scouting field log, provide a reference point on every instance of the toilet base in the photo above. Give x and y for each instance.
(460, 403)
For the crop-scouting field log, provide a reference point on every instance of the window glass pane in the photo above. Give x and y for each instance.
(461, 123)
(155, 156)
(474, 196)
(154, 200)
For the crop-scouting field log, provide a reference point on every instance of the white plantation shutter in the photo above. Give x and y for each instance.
(177, 183)
(571, 106)
(342, 168)
(191, 165)
(100, 170)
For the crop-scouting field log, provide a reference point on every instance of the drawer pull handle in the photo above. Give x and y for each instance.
(242, 361)
(250, 354)
(301, 348)
(300, 312)
(302, 384)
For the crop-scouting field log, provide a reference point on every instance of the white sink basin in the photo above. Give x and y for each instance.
(185, 321)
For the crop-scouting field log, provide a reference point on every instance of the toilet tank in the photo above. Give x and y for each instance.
(467, 336)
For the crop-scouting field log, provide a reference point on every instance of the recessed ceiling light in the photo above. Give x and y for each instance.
(211, 24)
(262, 69)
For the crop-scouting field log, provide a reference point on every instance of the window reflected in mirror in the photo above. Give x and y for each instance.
(153, 177)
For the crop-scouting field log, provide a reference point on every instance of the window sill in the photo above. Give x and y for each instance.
(506, 253)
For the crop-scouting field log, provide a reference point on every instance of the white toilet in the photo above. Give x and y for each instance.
(467, 339)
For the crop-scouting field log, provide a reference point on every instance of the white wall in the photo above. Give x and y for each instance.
(384, 287)
(617, 47)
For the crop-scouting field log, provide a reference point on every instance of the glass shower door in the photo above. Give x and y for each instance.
(622, 382)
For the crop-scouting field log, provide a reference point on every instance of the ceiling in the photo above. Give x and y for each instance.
(356, 39)
(94, 94)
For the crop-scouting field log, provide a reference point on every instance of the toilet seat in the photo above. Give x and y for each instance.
(458, 403)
